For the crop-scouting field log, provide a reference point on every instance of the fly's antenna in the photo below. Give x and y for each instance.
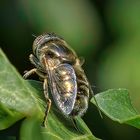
(92, 93)
(34, 35)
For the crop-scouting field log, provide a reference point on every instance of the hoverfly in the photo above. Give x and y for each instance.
(61, 69)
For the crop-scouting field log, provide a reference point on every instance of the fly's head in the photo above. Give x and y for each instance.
(54, 49)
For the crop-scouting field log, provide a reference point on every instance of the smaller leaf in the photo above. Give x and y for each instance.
(116, 104)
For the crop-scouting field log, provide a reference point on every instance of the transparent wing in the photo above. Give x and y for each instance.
(64, 87)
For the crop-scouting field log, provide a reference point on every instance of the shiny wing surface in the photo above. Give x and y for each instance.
(64, 88)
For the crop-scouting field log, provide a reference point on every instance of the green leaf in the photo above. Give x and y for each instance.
(24, 99)
(16, 95)
(116, 104)
(58, 126)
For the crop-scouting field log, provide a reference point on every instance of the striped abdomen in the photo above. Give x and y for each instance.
(81, 103)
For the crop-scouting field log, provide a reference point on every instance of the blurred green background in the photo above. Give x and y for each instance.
(105, 32)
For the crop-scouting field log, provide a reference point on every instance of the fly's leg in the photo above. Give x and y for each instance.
(35, 61)
(32, 71)
(76, 126)
(45, 87)
(28, 73)
(38, 70)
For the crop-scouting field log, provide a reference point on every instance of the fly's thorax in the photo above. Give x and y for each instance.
(53, 47)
